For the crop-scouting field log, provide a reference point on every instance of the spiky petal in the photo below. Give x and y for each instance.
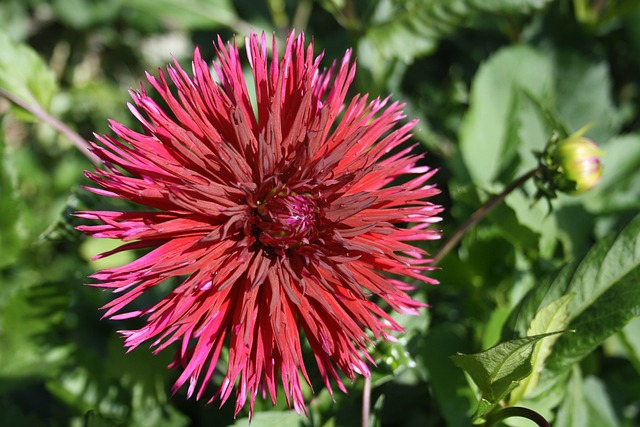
(275, 221)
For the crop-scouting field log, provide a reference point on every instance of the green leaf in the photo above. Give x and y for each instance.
(484, 137)
(189, 14)
(573, 411)
(607, 265)
(11, 238)
(607, 297)
(454, 397)
(600, 408)
(494, 369)
(620, 184)
(586, 404)
(604, 267)
(93, 246)
(525, 225)
(507, 220)
(604, 317)
(24, 74)
(157, 415)
(14, 18)
(273, 419)
(577, 106)
(630, 336)
(126, 386)
(498, 370)
(83, 14)
(401, 30)
(392, 358)
(375, 419)
(93, 419)
(553, 317)
(139, 370)
(30, 315)
(493, 326)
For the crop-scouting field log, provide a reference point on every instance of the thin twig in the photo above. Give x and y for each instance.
(481, 213)
(40, 113)
(366, 401)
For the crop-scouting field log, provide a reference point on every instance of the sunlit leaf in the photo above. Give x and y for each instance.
(577, 106)
(603, 317)
(498, 370)
(401, 30)
(489, 81)
(189, 14)
(499, 81)
(553, 317)
(84, 13)
(24, 74)
(606, 298)
(605, 266)
(273, 419)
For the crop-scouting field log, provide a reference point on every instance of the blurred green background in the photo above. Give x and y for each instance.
(490, 80)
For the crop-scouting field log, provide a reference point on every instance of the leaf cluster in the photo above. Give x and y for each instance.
(490, 82)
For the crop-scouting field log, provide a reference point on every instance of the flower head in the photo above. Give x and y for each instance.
(294, 217)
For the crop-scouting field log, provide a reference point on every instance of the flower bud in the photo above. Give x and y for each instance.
(578, 159)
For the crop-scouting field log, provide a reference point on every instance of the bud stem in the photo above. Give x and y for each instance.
(483, 211)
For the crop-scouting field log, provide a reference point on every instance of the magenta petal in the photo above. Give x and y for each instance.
(275, 224)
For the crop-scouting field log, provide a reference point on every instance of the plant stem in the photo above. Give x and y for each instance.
(279, 15)
(483, 211)
(302, 14)
(516, 411)
(40, 113)
(366, 401)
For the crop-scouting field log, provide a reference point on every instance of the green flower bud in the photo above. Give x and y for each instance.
(578, 161)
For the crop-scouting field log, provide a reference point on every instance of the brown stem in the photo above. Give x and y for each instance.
(481, 213)
(40, 113)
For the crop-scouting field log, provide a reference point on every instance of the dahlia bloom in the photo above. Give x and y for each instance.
(274, 221)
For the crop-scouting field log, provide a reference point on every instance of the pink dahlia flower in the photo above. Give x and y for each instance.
(292, 217)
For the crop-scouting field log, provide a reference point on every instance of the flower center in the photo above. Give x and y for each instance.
(287, 220)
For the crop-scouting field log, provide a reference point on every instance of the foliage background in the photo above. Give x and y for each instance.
(489, 80)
